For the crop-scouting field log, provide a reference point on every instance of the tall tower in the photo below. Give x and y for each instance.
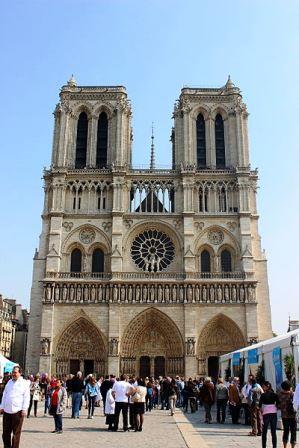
(147, 271)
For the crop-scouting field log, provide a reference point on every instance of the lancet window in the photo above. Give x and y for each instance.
(87, 196)
(205, 261)
(219, 142)
(76, 260)
(98, 261)
(81, 142)
(152, 197)
(102, 141)
(226, 261)
(201, 141)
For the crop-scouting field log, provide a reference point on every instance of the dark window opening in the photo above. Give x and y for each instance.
(76, 260)
(226, 261)
(81, 144)
(201, 142)
(74, 203)
(79, 203)
(98, 261)
(219, 142)
(205, 261)
(102, 141)
(104, 203)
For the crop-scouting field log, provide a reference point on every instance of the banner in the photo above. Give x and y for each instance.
(252, 356)
(276, 354)
(236, 359)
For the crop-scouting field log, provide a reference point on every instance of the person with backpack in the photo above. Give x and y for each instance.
(207, 396)
(288, 414)
(221, 400)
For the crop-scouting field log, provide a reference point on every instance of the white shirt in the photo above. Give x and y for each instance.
(16, 396)
(121, 388)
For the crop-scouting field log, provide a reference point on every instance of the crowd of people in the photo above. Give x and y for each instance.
(252, 403)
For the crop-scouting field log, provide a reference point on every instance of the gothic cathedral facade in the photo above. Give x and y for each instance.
(147, 271)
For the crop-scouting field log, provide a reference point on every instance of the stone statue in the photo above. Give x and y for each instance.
(196, 293)
(56, 294)
(100, 293)
(189, 294)
(71, 293)
(64, 293)
(115, 293)
(79, 293)
(226, 294)
(166, 294)
(212, 294)
(204, 294)
(250, 292)
(181, 291)
(234, 293)
(114, 347)
(219, 293)
(174, 293)
(160, 294)
(152, 294)
(49, 292)
(130, 294)
(93, 294)
(122, 293)
(45, 347)
(85, 292)
(137, 294)
(190, 346)
(144, 294)
(242, 294)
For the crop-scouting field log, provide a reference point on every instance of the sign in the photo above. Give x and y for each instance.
(252, 356)
(276, 354)
(236, 359)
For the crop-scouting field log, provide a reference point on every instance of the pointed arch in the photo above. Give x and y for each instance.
(102, 140)
(152, 319)
(201, 141)
(81, 142)
(219, 141)
(80, 341)
(220, 335)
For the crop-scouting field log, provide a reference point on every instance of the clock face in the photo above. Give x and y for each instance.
(152, 250)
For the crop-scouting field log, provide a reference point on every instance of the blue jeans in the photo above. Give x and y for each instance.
(58, 421)
(76, 401)
(47, 403)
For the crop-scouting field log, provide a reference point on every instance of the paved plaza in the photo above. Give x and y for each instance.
(160, 430)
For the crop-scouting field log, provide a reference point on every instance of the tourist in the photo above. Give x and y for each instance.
(77, 388)
(207, 396)
(91, 392)
(180, 383)
(173, 395)
(99, 395)
(121, 391)
(234, 400)
(105, 386)
(164, 393)
(47, 392)
(255, 415)
(58, 402)
(287, 405)
(68, 386)
(149, 396)
(35, 395)
(14, 405)
(268, 405)
(221, 400)
(138, 395)
(245, 393)
(109, 406)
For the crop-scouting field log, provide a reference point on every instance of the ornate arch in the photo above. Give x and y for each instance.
(229, 239)
(221, 110)
(152, 320)
(80, 340)
(220, 335)
(98, 231)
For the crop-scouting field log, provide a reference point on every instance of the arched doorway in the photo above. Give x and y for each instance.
(220, 335)
(152, 346)
(81, 347)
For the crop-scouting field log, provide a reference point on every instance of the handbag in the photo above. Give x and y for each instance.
(136, 397)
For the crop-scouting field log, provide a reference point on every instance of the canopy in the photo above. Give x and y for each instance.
(6, 365)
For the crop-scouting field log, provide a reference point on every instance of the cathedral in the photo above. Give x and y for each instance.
(147, 271)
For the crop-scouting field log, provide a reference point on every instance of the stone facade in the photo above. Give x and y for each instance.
(147, 271)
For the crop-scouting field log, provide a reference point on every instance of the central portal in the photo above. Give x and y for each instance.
(151, 366)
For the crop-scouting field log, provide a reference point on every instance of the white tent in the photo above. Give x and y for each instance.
(271, 351)
(6, 365)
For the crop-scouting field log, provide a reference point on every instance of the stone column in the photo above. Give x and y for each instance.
(211, 149)
(92, 146)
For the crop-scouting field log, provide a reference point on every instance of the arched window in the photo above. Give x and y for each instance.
(102, 140)
(226, 261)
(98, 261)
(219, 141)
(201, 141)
(76, 260)
(205, 261)
(81, 143)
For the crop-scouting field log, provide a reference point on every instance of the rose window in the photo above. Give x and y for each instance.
(152, 251)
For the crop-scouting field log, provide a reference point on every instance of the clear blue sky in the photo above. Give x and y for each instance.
(154, 48)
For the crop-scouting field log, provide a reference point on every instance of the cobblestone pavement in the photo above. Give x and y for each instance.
(160, 430)
(221, 436)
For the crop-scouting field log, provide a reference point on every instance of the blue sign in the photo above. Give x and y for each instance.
(252, 356)
(236, 359)
(276, 354)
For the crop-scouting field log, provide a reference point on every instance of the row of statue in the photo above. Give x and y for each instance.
(169, 294)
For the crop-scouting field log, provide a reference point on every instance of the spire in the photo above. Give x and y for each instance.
(72, 82)
(229, 84)
(153, 163)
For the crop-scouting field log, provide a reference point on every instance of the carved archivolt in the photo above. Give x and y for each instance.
(81, 340)
(159, 328)
(220, 335)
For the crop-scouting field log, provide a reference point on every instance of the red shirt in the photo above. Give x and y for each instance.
(54, 400)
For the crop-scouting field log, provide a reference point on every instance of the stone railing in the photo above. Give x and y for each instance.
(77, 292)
(158, 276)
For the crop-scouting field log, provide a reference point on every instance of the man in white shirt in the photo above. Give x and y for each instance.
(121, 391)
(14, 405)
